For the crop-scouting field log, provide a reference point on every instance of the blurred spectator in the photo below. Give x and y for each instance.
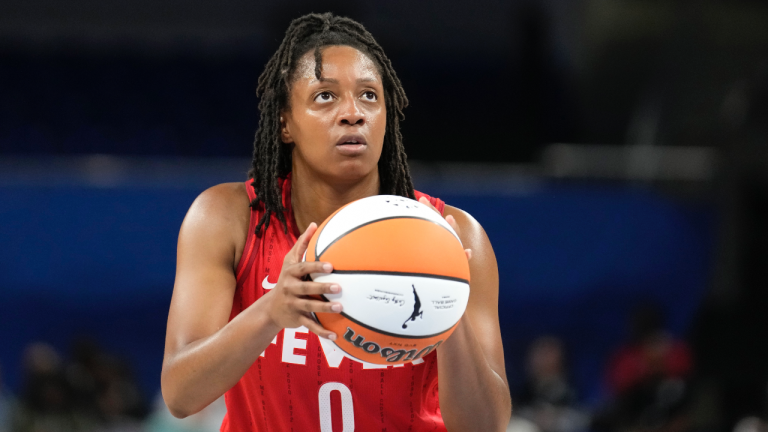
(548, 399)
(519, 424)
(103, 386)
(647, 378)
(209, 419)
(95, 392)
(755, 422)
(81, 375)
(6, 406)
(119, 402)
(46, 398)
(751, 424)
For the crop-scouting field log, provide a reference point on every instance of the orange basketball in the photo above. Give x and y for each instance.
(403, 274)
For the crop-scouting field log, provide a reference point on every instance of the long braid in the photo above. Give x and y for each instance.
(271, 157)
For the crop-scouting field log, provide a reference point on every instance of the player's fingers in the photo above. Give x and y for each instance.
(302, 242)
(426, 202)
(316, 328)
(316, 288)
(452, 222)
(311, 305)
(468, 252)
(301, 269)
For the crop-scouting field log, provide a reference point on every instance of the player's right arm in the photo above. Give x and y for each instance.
(205, 353)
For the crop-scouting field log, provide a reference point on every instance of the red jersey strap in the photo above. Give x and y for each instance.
(437, 202)
(247, 255)
(249, 189)
(243, 267)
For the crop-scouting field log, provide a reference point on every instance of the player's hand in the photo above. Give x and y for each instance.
(451, 221)
(291, 305)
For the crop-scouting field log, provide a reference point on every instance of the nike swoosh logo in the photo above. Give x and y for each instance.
(266, 285)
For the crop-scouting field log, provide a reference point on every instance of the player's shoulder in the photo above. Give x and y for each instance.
(463, 218)
(221, 208)
(222, 200)
(224, 194)
(471, 232)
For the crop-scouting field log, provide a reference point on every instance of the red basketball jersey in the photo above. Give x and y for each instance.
(303, 383)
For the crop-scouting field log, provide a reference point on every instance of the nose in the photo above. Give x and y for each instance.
(350, 112)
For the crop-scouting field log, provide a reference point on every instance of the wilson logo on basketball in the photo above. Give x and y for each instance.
(390, 354)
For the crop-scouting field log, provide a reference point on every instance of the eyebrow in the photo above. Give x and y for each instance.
(335, 81)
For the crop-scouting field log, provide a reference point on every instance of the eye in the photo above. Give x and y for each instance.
(370, 96)
(324, 97)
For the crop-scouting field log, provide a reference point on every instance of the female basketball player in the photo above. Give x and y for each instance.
(240, 317)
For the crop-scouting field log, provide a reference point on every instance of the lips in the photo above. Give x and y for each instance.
(351, 139)
(351, 145)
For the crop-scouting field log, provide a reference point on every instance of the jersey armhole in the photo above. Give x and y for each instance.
(248, 250)
(436, 202)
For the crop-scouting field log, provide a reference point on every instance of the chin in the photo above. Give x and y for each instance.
(353, 171)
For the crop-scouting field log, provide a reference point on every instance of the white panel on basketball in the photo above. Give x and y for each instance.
(386, 302)
(371, 209)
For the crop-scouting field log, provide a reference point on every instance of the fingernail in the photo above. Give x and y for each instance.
(327, 268)
(336, 308)
(335, 289)
(332, 336)
(469, 252)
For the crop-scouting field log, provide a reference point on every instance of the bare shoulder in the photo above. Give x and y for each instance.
(471, 232)
(221, 201)
(219, 215)
(225, 204)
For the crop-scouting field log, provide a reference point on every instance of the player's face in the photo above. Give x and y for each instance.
(337, 122)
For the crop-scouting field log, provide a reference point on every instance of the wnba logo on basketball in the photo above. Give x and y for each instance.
(403, 274)
(391, 354)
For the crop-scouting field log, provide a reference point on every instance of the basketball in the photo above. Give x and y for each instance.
(404, 278)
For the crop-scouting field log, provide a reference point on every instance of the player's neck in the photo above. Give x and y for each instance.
(314, 199)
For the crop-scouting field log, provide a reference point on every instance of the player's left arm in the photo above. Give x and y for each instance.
(473, 387)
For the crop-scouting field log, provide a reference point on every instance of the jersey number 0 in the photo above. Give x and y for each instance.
(347, 410)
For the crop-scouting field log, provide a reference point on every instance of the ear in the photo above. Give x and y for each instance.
(285, 134)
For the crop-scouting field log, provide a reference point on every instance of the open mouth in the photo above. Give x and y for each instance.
(351, 140)
(352, 145)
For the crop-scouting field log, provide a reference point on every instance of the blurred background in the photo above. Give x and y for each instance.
(614, 151)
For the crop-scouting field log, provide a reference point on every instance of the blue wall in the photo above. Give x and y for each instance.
(572, 260)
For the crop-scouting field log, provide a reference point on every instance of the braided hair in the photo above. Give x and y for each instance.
(271, 157)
